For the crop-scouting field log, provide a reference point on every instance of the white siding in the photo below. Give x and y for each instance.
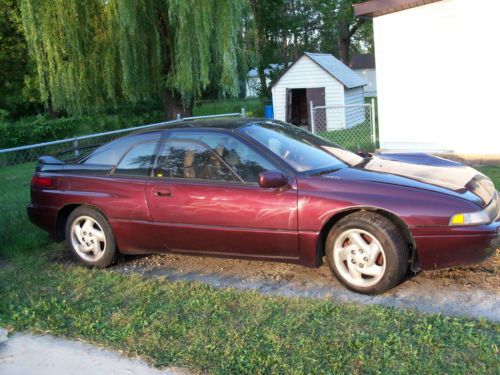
(435, 90)
(307, 74)
(354, 115)
(371, 78)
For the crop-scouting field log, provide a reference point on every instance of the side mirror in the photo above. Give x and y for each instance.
(272, 179)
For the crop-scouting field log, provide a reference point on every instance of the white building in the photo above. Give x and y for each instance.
(252, 89)
(364, 65)
(434, 91)
(325, 81)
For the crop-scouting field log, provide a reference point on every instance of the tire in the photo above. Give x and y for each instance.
(89, 237)
(366, 253)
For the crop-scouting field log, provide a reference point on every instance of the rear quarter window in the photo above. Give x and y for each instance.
(112, 152)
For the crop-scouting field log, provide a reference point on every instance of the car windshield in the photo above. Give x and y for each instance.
(304, 151)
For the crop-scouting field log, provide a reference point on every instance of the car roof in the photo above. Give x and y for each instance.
(218, 123)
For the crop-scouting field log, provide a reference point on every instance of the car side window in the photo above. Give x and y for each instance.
(110, 153)
(246, 162)
(137, 161)
(191, 160)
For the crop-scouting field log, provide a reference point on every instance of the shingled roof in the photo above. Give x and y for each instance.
(337, 69)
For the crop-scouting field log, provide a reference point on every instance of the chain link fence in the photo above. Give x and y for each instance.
(351, 126)
(18, 164)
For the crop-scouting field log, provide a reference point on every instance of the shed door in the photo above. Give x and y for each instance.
(317, 97)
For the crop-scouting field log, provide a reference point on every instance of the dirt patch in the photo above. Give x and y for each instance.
(485, 275)
(465, 291)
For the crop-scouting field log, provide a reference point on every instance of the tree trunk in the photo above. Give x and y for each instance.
(263, 80)
(173, 106)
(343, 45)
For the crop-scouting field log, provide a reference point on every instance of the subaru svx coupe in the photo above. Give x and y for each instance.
(267, 190)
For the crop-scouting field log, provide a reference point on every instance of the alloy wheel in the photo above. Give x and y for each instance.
(88, 238)
(359, 257)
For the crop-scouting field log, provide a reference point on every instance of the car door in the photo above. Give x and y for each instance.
(200, 203)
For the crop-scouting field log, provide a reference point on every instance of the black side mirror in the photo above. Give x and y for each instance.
(272, 179)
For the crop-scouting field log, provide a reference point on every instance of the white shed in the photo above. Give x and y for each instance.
(325, 81)
(435, 93)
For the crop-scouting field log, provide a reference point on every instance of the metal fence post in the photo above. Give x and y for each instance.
(313, 125)
(178, 117)
(75, 145)
(374, 131)
(243, 112)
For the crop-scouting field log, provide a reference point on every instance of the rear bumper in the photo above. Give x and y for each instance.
(44, 217)
(441, 247)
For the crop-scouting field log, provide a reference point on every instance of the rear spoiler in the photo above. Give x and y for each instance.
(50, 160)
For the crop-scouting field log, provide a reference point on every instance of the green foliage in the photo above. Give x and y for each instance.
(42, 128)
(14, 66)
(217, 331)
(95, 52)
(283, 30)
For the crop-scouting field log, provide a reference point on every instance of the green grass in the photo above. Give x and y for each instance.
(228, 332)
(493, 172)
(15, 229)
(357, 138)
(254, 107)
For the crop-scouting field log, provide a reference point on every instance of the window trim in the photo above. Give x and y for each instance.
(167, 140)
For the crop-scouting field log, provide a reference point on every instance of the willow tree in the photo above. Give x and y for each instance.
(93, 52)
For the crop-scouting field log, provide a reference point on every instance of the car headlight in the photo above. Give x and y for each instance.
(470, 218)
(485, 216)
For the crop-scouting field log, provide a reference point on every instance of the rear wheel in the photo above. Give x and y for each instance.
(90, 238)
(366, 253)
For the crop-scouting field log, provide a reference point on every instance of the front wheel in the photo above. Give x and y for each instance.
(366, 253)
(90, 238)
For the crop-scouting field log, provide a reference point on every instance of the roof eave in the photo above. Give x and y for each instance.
(375, 8)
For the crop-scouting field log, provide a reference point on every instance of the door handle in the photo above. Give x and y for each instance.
(162, 193)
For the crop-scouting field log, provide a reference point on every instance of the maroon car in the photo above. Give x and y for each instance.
(260, 189)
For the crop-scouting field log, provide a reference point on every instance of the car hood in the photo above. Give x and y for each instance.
(427, 172)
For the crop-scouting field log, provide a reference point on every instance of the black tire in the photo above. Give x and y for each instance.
(107, 248)
(393, 259)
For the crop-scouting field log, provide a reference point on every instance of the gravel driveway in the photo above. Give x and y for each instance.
(466, 291)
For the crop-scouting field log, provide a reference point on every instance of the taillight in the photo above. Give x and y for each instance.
(43, 182)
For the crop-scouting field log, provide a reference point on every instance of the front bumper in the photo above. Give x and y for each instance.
(44, 217)
(441, 247)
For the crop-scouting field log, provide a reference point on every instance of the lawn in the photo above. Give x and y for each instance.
(357, 138)
(218, 331)
(493, 172)
(254, 107)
